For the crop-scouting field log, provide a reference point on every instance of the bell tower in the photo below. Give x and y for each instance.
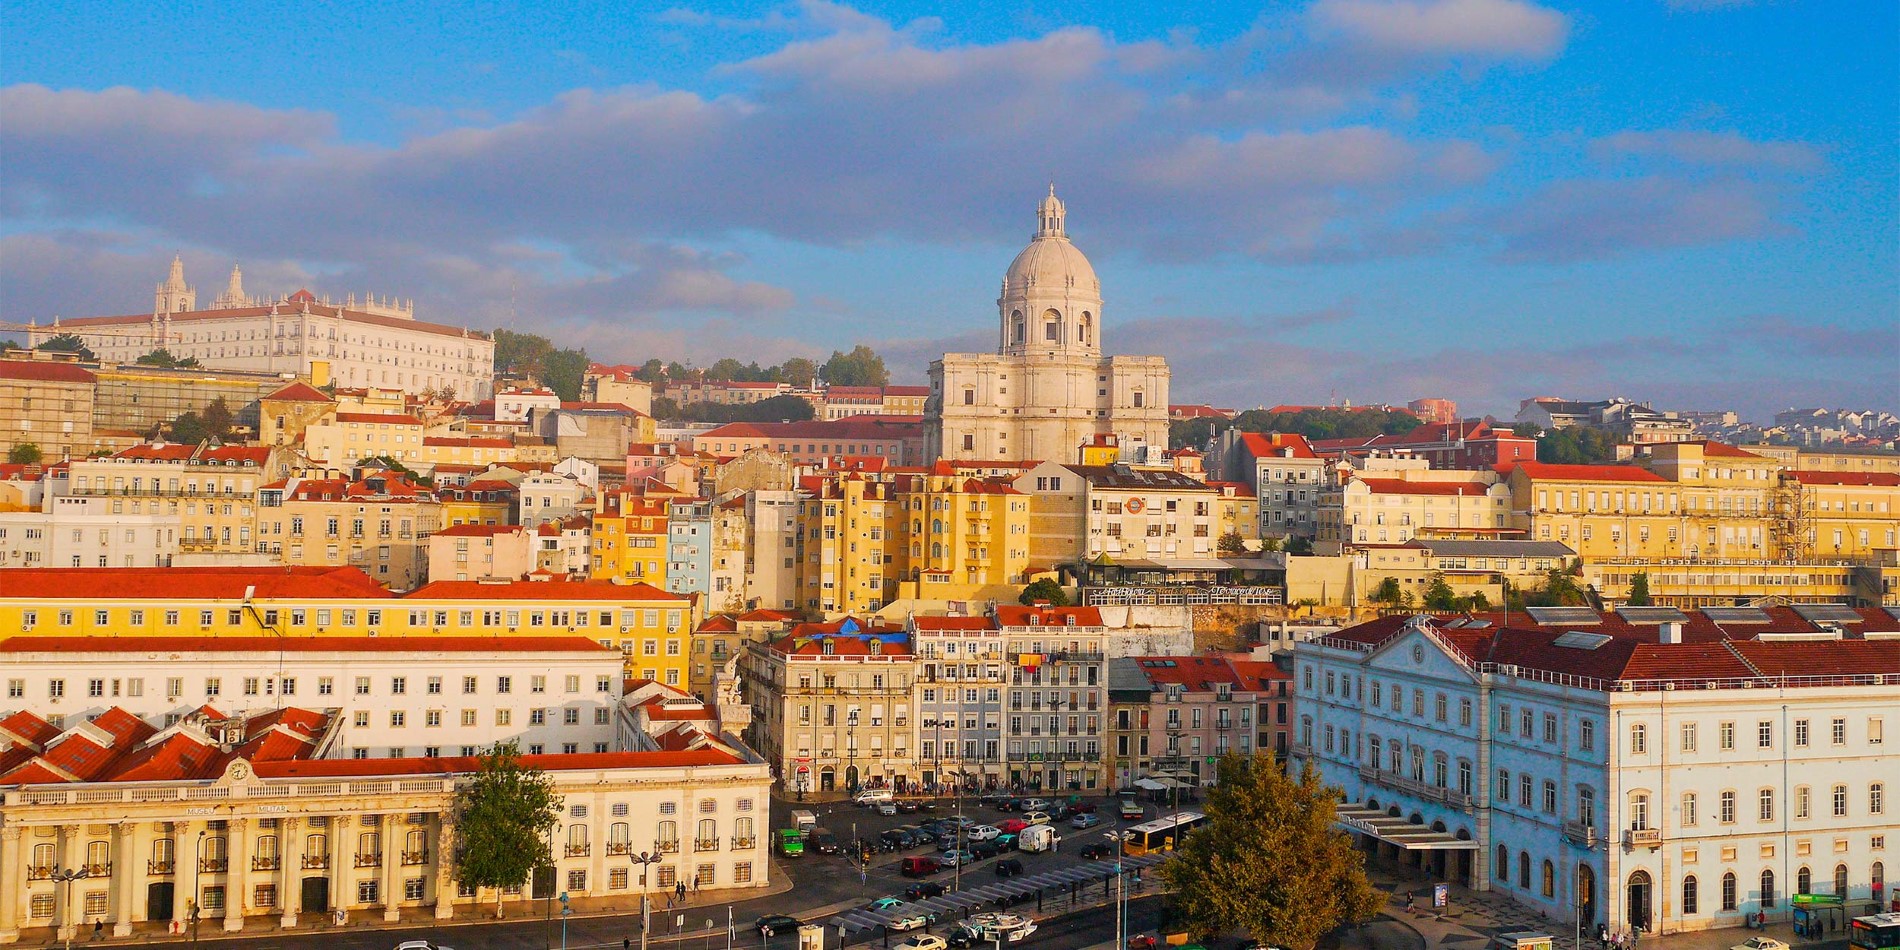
(173, 296)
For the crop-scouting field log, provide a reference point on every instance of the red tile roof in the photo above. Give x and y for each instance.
(1020, 615)
(193, 583)
(558, 590)
(1274, 444)
(478, 530)
(1196, 673)
(1866, 479)
(45, 371)
(1400, 486)
(299, 392)
(461, 764)
(954, 623)
(1589, 473)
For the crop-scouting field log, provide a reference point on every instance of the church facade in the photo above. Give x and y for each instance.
(1047, 390)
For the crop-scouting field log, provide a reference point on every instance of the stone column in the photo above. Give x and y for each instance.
(391, 839)
(445, 869)
(342, 859)
(237, 875)
(126, 873)
(70, 857)
(289, 869)
(184, 868)
(12, 882)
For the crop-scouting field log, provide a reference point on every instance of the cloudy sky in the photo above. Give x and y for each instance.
(1692, 202)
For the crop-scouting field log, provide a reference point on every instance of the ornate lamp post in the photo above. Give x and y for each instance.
(645, 859)
(64, 878)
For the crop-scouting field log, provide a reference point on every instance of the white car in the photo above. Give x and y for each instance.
(923, 942)
(420, 945)
(1760, 943)
(982, 832)
(873, 796)
(912, 921)
(1036, 817)
(886, 808)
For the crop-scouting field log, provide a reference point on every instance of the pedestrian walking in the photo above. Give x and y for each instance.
(98, 930)
(680, 889)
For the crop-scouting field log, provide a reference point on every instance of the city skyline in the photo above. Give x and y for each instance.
(1689, 203)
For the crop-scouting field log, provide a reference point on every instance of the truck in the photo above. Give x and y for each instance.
(791, 844)
(804, 821)
(1036, 838)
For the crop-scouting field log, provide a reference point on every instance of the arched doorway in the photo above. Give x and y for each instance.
(1439, 858)
(1463, 868)
(1586, 894)
(1639, 894)
(851, 778)
(827, 779)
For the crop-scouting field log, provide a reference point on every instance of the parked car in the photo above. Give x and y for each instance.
(912, 921)
(994, 798)
(1760, 943)
(885, 808)
(1143, 942)
(897, 838)
(885, 903)
(908, 806)
(872, 796)
(1036, 817)
(1098, 850)
(1011, 825)
(923, 889)
(773, 924)
(421, 945)
(982, 833)
(1084, 820)
(1033, 804)
(1008, 867)
(919, 866)
(955, 858)
(955, 821)
(1005, 804)
(922, 942)
(986, 849)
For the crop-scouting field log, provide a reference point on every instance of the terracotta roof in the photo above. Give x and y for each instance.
(297, 644)
(188, 583)
(1196, 673)
(1271, 445)
(568, 590)
(1869, 479)
(1588, 473)
(1714, 449)
(767, 615)
(461, 764)
(719, 623)
(45, 371)
(299, 392)
(1019, 615)
(953, 623)
(325, 310)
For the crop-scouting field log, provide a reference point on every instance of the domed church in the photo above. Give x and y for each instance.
(1047, 390)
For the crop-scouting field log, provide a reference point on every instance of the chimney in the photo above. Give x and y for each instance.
(1669, 632)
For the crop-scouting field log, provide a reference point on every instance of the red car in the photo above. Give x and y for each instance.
(1142, 942)
(1011, 826)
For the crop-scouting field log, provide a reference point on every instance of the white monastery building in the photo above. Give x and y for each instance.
(374, 341)
(1047, 389)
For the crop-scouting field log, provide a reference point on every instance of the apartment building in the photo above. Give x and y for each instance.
(847, 543)
(48, 404)
(961, 673)
(83, 532)
(380, 522)
(211, 489)
(1057, 695)
(832, 706)
(630, 535)
(1651, 769)
(468, 552)
(1391, 505)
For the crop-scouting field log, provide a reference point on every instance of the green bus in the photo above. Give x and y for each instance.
(791, 844)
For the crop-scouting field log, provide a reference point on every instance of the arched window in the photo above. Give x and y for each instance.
(415, 846)
(1504, 863)
(1768, 888)
(267, 851)
(707, 838)
(1549, 879)
(1086, 331)
(1877, 877)
(1524, 870)
(369, 844)
(619, 836)
(577, 843)
(1017, 329)
(1689, 894)
(1728, 891)
(315, 847)
(1840, 881)
(1051, 326)
(1803, 881)
(669, 839)
(742, 833)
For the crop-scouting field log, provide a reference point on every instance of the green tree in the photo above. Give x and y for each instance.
(68, 343)
(564, 371)
(653, 371)
(1560, 590)
(1190, 433)
(1044, 589)
(798, 371)
(524, 353)
(1269, 860)
(1477, 601)
(26, 453)
(1388, 592)
(1639, 589)
(860, 367)
(1299, 546)
(192, 428)
(1231, 544)
(164, 359)
(1439, 595)
(1577, 446)
(664, 408)
(9, 344)
(504, 814)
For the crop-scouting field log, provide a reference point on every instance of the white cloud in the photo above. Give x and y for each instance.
(1710, 149)
(1501, 29)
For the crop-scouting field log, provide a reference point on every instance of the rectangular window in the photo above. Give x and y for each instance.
(1839, 729)
(1764, 734)
(1688, 737)
(1801, 733)
(1727, 737)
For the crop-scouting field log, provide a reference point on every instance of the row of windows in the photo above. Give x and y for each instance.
(98, 687)
(1728, 733)
(1729, 803)
(302, 617)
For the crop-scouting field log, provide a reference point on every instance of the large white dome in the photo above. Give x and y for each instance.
(1051, 263)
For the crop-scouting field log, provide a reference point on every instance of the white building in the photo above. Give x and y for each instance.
(396, 698)
(83, 532)
(1047, 389)
(374, 342)
(549, 496)
(1643, 770)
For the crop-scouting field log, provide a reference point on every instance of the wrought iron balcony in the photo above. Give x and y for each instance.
(577, 850)
(211, 865)
(158, 866)
(316, 862)
(369, 860)
(264, 862)
(413, 858)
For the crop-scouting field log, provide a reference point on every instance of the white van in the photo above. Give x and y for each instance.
(873, 796)
(1037, 838)
(804, 821)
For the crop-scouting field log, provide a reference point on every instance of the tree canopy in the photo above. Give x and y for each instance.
(164, 359)
(214, 422)
(1044, 589)
(1577, 446)
(530, 354)
(68, 343)
(1639, 589)
(860, 367)
(1269, 860)
(25, 453)
(503, 816)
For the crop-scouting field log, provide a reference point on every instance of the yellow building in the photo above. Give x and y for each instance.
(1606, 511)
(629, 536)
(283, 415)
(960, 536)
(346, 437)
(380, 523)
(649, 626)
(212, 489)
(1727, 496)
(721, 637)
(847, 543)
(1057, 515)
(483, 501)
(1236, 510)
(1393, 506)
(833, 705)
(1833, 515)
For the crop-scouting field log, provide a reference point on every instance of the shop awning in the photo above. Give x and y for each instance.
(1153, 785)
(1398, 831)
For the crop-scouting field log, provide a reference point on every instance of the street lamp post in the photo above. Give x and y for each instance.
(645, 859)
(64, 879)
(197, 864)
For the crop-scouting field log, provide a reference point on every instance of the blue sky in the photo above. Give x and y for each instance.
(1692, 202)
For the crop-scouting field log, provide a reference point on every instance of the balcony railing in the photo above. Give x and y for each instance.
(669, 847)
(706, 844)
(1580, 833)
(264, 862)
(211, 865)
(316, 862)
(743, 844)
(577, 850)
(369, 860)
(39, 873)
(1642, 838)
(413, 858)
(99, 870)
(157, 866)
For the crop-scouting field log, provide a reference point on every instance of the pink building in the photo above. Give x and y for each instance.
(1205, 706)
